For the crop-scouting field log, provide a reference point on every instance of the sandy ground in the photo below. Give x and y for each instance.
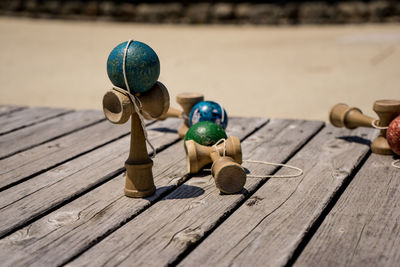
(285, 72)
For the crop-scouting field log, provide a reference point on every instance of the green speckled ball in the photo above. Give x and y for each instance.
(205, 133)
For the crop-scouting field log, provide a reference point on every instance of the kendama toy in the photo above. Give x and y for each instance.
(208, 111)
(341, 115)
(205, 133)
(226, 159)
(133, 68)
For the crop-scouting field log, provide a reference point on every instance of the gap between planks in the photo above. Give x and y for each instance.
(166, 229)
(362, 229)
(6, 109)
(27, 117)
(42, 158)
(102, 209)
(27, 138)
(21, 204)
(269, 227)
(310, 233)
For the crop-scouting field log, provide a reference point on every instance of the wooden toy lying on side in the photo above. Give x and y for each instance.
(388, 141)
(224, 153)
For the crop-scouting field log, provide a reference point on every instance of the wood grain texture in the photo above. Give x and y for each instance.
(66, 232)
(161, 233)
(26, 117)
(25, 201)
(362, 229)
(29, 137)
(6, 109)
(267, 229)
(40, 158)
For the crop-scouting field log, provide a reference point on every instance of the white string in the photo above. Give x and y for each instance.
(395, 162)
(223, 113)
(300, 171)
(134, 99)
(216, 148)
(373, 123)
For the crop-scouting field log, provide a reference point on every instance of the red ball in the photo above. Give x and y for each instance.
(393, 135)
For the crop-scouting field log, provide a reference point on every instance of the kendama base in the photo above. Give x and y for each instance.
(381, 146)
(138, 194)
(139, 180)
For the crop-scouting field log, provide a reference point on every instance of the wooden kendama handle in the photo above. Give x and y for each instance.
(341, 115)
(118, 108)
(139, 177)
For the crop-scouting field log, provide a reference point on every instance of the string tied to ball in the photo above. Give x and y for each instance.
(134, 99)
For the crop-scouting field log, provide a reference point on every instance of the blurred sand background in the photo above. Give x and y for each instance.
(277, 72)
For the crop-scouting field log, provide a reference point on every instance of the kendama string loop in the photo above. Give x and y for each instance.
(394, 164)
(300, 171)
(373, 123)
(215, 146)
(134, 99)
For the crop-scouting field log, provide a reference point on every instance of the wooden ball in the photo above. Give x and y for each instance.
(205, 133)
(393, 135)
(142, 67)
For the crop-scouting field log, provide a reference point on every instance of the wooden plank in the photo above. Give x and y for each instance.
(24, 165)
(26, 117)
(160, 234)
(37, 134)
(362, 229)
(268, 228)
(7, 109)
(25, 201)
(66, 232)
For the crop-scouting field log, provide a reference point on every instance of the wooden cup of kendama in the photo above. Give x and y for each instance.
(186, 101)
(118, 108)
(341, 115)
(229, 175)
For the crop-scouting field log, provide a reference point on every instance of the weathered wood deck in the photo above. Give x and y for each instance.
(62, 202)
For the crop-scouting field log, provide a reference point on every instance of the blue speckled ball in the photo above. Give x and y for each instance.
(142, 66)
(208, 111)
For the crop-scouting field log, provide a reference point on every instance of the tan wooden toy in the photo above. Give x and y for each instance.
(186, 101)
(229, 175)
(118, 108)
(341, 115)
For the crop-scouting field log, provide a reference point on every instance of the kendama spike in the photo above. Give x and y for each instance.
(118, 108)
